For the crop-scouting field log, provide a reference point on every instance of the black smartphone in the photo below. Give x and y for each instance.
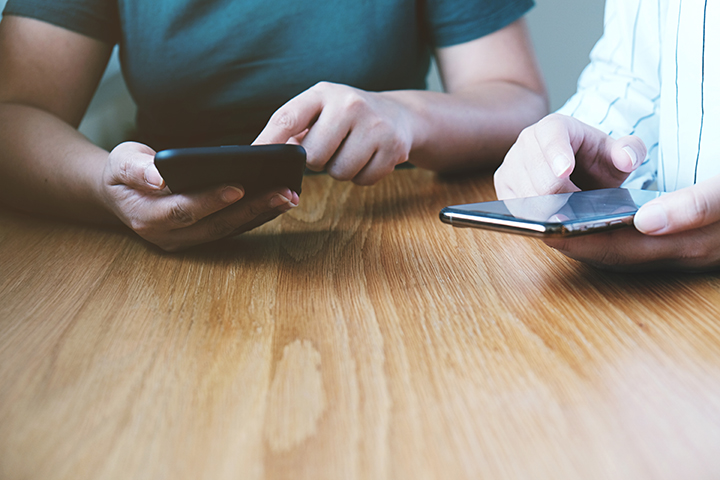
(560, 215)
(258, 168)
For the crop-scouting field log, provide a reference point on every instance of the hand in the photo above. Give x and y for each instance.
(560, 154)
(134, 190)
(678, 231)
(352, 134)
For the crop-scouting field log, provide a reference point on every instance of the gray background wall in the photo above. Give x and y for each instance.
(564, 31)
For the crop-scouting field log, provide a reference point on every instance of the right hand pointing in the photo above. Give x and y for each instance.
(136, 193)
(548, 153)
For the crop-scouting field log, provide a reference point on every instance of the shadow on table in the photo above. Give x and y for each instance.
(254, 248)
(426, 197)
(459, 178)
(681, 290)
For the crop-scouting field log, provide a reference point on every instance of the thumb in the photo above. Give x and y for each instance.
(132, 164)
(686, 209)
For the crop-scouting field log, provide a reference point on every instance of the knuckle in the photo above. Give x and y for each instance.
(339, 173)
(606, 256)
(180, 215)
(526, 134)
(700, 209)
(284, 119)
(315, 164)
(256, 208)
(125, 171)
(698, 249)
(355, 103)
(397, 156)
(610, 258)
(552, 119)
(499, 177)
(220, 228)
(405, 147)
(322, 85)
(548, 128)
(403, 155)
(366, 180)
(139, 226)
(394, 142)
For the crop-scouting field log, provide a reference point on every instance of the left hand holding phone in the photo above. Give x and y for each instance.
(135, 192)
(680, 232)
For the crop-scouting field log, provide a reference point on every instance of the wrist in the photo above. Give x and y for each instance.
(100, 189)
(414, 117)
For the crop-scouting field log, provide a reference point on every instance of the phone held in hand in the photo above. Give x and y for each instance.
(258, 168)
(560, 215)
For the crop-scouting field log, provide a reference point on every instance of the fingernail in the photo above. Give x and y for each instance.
(633, 156)
(560, 165)
(278, 200)
(152, 177)
(651, 218)
(232, 194)
(295, 201)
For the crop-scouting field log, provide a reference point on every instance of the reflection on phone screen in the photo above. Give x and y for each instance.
(570, 207)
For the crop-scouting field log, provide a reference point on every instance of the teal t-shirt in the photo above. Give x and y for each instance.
(206, 72)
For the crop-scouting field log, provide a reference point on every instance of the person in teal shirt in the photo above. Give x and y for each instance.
(346, 79)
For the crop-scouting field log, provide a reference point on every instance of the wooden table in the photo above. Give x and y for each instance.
(356, 337)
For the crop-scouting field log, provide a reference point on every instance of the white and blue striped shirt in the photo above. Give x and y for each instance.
(655, 73)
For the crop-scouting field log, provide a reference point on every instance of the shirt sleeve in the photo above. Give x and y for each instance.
(452, 22)
(98, 19)
(619, 91)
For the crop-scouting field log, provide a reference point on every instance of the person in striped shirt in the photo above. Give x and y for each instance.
(645, 116)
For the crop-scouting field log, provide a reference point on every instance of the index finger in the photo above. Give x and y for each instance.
(291, 119)
(554, 135)
(595, 159)
(540, 162)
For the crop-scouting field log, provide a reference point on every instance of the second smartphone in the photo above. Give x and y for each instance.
(560, 215)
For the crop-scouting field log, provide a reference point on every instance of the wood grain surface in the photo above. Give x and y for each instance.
(356, 337)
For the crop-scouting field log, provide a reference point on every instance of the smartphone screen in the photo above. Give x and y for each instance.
(563, 214)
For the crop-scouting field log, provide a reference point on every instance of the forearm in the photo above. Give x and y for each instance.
(472, 128)
(47, 167)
